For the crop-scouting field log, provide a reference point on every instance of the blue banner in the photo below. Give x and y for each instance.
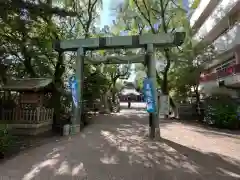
(73, 85)
(149, 95)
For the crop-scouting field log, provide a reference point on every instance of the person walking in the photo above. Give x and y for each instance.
(129, 102)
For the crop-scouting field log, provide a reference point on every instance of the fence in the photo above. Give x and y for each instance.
(25, 116)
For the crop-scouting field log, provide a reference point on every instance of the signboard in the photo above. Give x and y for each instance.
(149, 95)
(73, 85)
(164, 105)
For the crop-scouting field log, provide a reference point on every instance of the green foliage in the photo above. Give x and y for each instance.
(6, 140)
(140, 75)
(28, 30)
(185, 71)
(95, 84)
(141, 16)
(195, 4)
(221, 111)
(115, 72)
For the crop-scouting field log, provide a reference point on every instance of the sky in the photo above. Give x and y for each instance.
(106, 19)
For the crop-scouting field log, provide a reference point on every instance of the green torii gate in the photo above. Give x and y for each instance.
(147, 41)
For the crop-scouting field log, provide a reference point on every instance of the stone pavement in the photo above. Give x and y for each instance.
(115, 147)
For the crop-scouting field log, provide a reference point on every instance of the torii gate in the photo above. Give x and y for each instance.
(147, 41)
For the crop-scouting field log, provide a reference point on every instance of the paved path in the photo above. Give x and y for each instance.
(115, 147)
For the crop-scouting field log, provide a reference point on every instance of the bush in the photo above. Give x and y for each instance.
(221, 111)
(6, 140)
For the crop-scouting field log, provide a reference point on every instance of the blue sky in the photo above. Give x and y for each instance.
(105, 19)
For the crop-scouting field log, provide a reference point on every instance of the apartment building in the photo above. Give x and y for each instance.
(217, 22)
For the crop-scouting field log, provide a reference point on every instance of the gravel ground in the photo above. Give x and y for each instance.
(115, 147)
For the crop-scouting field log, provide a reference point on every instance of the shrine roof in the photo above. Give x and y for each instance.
(27, 84)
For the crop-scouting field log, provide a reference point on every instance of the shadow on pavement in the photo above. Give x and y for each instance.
(116, 147)
(209, 162)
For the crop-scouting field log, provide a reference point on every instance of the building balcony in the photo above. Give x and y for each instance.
(230, 71)
(231, 77)
(225, 46)
(200, 14)
(218, 21)
(228, 40)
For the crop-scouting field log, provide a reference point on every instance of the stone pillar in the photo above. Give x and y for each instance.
(78, 111)
(154, 131)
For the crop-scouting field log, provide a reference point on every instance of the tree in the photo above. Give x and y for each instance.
(140, 75)
(186, 73)
(27, 31)
(27, 35)
(140, 16)
(114, 73)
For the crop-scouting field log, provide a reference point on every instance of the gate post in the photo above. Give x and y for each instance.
(78, 112)
(154, 130)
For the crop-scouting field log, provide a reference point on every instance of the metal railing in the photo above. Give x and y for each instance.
(228, 71)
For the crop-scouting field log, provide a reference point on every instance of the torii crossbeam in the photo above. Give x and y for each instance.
(159, 40)
(147, 41)
(115, 59)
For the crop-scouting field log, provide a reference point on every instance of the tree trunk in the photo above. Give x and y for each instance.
(56, 100)
(29, 68)
(59, 70)
(198, 104)
(58, 73)
(164, 85)
(27, 60)
(3, 73)
(114, 91)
